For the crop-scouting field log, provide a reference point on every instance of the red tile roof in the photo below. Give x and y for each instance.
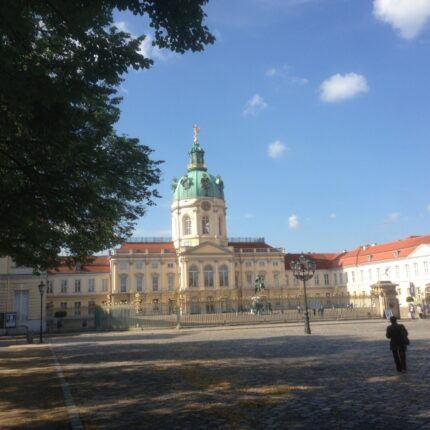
(99, 264)
(150, 246)
(249, 245)
(364, 254)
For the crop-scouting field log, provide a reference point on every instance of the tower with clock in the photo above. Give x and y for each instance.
(198, 208)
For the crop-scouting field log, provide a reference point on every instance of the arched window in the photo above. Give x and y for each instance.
(193, 277)
(205, 225)
(223, 276)
(139, 282)
(123, 283)
(209, 276)
(249, 279)
(187, 224)
(220, 225)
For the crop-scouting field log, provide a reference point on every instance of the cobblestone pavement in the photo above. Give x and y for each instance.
(252, 377)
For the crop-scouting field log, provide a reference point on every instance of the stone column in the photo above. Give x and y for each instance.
(386, 297)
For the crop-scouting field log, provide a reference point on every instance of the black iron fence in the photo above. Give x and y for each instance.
(210, 313)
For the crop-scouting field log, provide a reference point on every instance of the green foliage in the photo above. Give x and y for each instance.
(409, 299)
(68, 181)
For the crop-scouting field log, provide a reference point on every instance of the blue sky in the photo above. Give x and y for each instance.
(314, 112)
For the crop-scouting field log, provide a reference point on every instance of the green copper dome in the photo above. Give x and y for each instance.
(197, 182)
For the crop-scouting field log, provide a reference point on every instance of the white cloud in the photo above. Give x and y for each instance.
(407, 16)
(255, 104)
(148, 50)
(342, 87)
(332, 215)
(276, 149)
(285, 73)
(293, 222)
(393, 217)
(122, 26)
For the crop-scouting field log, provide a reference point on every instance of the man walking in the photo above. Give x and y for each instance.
(398, 336)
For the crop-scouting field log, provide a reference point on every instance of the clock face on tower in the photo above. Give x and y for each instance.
(206, 206)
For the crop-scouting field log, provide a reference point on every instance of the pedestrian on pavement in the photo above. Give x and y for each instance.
(398, 336)
(420, 312)
(299, 309)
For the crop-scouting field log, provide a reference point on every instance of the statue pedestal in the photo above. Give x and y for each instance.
(259, 304)
(385, 295)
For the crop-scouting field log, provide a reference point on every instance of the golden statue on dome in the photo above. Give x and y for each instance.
(196, 134)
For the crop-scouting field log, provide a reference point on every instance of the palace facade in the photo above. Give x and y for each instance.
(205, 269)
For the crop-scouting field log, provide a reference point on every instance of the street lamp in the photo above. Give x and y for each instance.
(304, 269)
(41, 290)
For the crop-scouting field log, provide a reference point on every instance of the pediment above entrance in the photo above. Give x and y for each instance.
(208, 248)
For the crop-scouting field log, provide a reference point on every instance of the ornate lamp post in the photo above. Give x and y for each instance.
(41, 291)
(304, 269)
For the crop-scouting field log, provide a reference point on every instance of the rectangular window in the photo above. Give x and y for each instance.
(139, 284)
(154, 283)
(171, 281)
(249, 279)
(370, 274)
(77, 285)
(64, 286)
(248, 263)
(77, 308)
(49, 287)
(170, 265)
(155, 305)
(154, 264)
(275, 263)
(335, 279)
(316, 279)
(361, 275)
(63, 306)
(353, 276)
(91, 307)
(407, 270)
(425, 267)
(416, 271)
(276, 279)
(139, 265)
(261, 263)
(123, 265)
(397, 271)
(91, 285)
(104, 285)
(346, 277)
(341, 278)
(123, 284)
(378, 273)
(326, 279)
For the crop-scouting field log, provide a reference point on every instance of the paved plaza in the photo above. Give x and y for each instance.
(247, 377)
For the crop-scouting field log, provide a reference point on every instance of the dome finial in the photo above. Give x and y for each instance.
(196, 134)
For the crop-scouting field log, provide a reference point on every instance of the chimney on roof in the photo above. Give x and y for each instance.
(373, 244)
(364, 247)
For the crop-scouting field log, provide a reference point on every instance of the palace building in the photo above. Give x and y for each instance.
(205, 269)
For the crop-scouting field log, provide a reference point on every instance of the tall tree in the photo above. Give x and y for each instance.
(68, 181)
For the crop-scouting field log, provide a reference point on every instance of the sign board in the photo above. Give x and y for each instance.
(10, 320)
(388, 313)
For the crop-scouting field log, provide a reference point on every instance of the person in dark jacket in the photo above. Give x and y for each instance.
(398, 336)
